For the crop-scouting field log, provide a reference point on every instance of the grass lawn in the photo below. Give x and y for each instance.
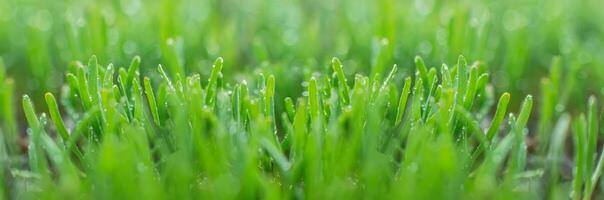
(290, 99)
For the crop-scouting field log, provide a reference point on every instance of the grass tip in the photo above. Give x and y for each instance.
(461, 58)
(93, 60)
(336, 61)
(461, 61)
(506, 94)
(219, 60)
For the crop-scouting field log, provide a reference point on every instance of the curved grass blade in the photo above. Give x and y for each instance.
(519, 152)
(55, 116)
(499, 115)
(134, 65)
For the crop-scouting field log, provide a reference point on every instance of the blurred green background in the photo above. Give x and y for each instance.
(515, 40)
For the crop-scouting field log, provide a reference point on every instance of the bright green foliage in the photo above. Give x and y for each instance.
(224, 141)
(280, 117)
(587, 171)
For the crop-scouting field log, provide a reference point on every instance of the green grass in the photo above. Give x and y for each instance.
(319, 99)
(174, 137)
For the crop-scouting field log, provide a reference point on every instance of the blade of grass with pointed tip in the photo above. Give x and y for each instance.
(423, 71)
(519, 152)
(468, 99)
(447, 82)
(164, 76)
(132, 70)
(37, 158)
(93, 79)
(389, 78)
(55, 116)
(151, 100)
(342, 82)
(402, 103)
(211, 87)
(500, 113)
(83, 89)
(461, 77)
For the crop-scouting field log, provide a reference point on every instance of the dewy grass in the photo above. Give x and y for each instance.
(171, 137)
(112, 135)
(282, 118)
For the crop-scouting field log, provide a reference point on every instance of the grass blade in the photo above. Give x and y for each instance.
(402, 103)
(342, 82)
(212, 82)
(500, 113)
(423, 71)
(55, 116)
(518, 159)
(592, 142)
(313, 99)
(151, 100)
(580, 149)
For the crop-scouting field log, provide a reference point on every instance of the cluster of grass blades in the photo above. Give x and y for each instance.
(115, 134)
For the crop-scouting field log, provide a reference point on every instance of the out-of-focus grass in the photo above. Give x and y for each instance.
(514, 39)
(279, 117)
